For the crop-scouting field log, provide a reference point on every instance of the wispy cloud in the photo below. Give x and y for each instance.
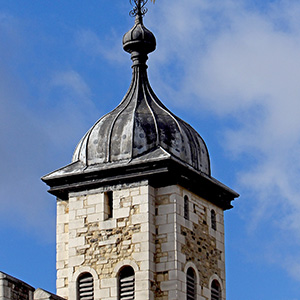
(72, 83)
(70, 107)
(35, 130)
(246, 68)
(109, 48)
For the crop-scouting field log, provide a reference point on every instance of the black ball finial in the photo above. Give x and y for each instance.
(139, 41)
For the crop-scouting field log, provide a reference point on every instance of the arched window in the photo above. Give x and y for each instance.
(215, 290)
(126, 284)
(213, 220)
(85, 287)
(186, 207)
(191, 284)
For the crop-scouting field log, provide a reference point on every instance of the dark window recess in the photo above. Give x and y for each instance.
(215, 290)
(190, 284)
(108, 205)
(126, 284)
(85, 286)
(186, 207)
(213, 220)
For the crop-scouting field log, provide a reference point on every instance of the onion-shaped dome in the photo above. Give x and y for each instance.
(141, 123)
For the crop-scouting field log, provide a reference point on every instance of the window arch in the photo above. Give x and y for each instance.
(213, 219)
(85, 287)
(126, 283)
(191, 286)
(215, 290)
(186, 207)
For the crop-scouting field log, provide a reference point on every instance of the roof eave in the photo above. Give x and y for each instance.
(164, 171)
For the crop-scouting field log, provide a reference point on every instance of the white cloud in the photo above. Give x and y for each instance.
(24, 203)
(37, 131)
(73, 83)
(107, 47)
(69, 107)
(244, 64)
(21, 142)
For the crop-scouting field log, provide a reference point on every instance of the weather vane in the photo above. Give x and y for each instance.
(139, 9)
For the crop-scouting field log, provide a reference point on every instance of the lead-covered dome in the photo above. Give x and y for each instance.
(141, 123)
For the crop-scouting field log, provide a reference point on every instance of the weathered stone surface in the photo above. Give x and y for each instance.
(179, 242)
(40, 294)
(12, 288)
(200, 248)
(101, 244)
(148, 231)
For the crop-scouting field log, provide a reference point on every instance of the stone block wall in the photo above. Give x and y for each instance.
(88, 241)
(148, 231)
(40, 294)
(12, 288)
(181, 243)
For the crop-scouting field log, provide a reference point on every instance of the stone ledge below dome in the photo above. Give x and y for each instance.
(159, 170)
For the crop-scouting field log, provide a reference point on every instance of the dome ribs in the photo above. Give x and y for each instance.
(141, 123)
(145, 135)
(177, 141)
(116, 141)
(147, 95)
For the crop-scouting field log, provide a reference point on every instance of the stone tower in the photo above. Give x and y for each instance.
(139, 215)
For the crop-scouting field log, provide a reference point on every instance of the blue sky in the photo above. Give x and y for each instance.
(229, 68)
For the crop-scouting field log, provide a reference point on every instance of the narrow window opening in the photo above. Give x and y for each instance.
(126, 284)
(213, 220)
(85, 287)
(191, 284)
(186, 207)
(108, 205)
(215, 290)
(194, 207)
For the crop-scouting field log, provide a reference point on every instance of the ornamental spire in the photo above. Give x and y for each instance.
(139, 9)
(139, 41)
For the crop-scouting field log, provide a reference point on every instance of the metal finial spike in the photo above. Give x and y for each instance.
(139, 9)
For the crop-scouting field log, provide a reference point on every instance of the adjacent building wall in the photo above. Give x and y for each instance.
(12, 288)
(40, 294)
